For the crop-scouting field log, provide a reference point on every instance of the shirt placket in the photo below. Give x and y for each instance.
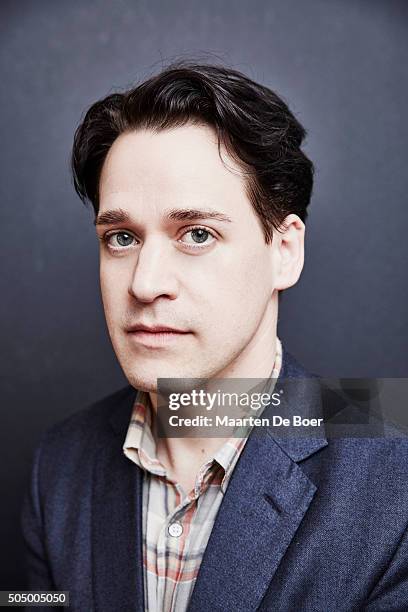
(175, 537)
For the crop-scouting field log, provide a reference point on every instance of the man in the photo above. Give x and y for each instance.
(200, 191)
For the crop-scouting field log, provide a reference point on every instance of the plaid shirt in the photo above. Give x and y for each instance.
(177, 526)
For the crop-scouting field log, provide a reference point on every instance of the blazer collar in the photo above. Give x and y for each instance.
(302, 395)
(122, 411)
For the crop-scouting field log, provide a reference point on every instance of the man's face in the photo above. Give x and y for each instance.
(209, 274)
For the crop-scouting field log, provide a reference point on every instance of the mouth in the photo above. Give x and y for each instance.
(156, 336)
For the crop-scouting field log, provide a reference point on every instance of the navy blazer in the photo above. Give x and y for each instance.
(306, 524)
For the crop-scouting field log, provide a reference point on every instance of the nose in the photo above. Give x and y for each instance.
(153, 275)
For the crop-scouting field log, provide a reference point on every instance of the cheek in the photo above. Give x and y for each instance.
(248, 279)
(113, 289)
(236, 295)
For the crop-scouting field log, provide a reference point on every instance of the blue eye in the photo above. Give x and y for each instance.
(124, 239)
(119, 240)
(198, 235)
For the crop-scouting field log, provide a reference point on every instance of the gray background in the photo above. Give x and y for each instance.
(341, 65)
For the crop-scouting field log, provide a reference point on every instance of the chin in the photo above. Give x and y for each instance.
(146, 379)
(143, 383)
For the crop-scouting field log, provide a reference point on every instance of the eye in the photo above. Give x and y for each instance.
(119, 240)
(198, 236)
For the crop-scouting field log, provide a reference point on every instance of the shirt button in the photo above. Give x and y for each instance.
(175, 530)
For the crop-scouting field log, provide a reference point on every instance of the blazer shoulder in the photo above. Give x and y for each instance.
(90, 425)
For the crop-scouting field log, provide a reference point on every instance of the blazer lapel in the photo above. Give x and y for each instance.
(266, 499)
(117, 563)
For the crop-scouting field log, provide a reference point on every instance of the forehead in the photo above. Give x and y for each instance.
(175, 166)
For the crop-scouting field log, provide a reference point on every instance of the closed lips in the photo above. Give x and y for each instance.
(156, 329)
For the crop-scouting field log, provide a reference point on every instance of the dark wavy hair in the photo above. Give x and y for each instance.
(250, 120)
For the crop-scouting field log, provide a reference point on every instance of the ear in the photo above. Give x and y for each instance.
(289, 251)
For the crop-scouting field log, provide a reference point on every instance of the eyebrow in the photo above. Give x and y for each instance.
(118, 215)
(111, 217)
